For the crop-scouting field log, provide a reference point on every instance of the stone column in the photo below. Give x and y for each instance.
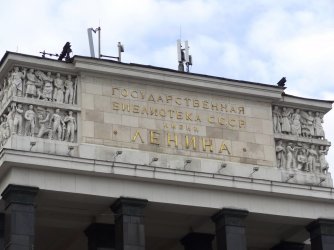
(129, 223)
(321, 234)
(197, 241)
(19, 217)
(100, 236)
(286, 245)
(230, 229)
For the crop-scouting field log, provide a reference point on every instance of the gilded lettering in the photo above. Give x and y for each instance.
(125, 107)
(137, 135)
(160, 99)
(191, 142)
(135, 108)
(223, 148)
(142, 94)
(207, 143)
(151, 98)
(169, 140)
(241, 110)
(232, 122)
(233, 110)
(188, 116)
(162, 112)
(242, 123)
(144, 111)
(124, 92)
(211, 119)
(154, 137)
(205, 104)
(197, 119)
(223, 107)
(171, 113)
(113, 90)
(179, 115)
(214, 106)
(169, 98)
(221, 121)
(115, 105)
(187, 101)
(134, 94)
(195, 103)
(153, 111)
(178, 100)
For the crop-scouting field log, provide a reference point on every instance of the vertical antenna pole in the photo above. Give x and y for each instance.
(99, 38)
(90, 41)
(119, 52)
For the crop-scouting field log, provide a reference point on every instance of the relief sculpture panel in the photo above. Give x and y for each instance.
(38, 104)
(300, 141)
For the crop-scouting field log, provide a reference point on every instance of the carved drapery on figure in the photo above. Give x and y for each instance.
(300, 142)
(296, 122)
(32, 83)
(42, 106)
(305, 157)
(38, 121)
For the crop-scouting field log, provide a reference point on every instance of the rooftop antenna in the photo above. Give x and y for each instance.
(183, 55)
(91, 43)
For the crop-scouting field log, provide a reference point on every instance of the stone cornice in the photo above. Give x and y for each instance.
(180, 79)
(65, 164)
(306, 103)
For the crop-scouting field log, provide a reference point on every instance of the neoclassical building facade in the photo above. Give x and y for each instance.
(101, 155)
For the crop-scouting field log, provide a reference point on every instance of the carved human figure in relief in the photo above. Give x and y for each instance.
(44, 124)
(30, 117)
(290, 156)
(17, 81)
(10, 119)
(277, 117)
(57, 125)
(307, 124)
(71, 126)
(322, 159)
(280, 154)
(286, 127)
(69, 90)
(318, 129)
(2, 130)
(311, 159)
(31, 90)
(296, 128)
(302, 159)
(7, 88)
(45, 89)
(58, 94)
(18, 119)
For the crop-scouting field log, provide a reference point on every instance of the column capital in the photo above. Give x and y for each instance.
(321, 227)
(230, 217)
(129, 206)
(19, 194)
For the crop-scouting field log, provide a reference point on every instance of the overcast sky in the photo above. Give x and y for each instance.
(257, 40)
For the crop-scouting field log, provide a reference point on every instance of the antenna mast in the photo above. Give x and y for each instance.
(183, 56)
(91, 45)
